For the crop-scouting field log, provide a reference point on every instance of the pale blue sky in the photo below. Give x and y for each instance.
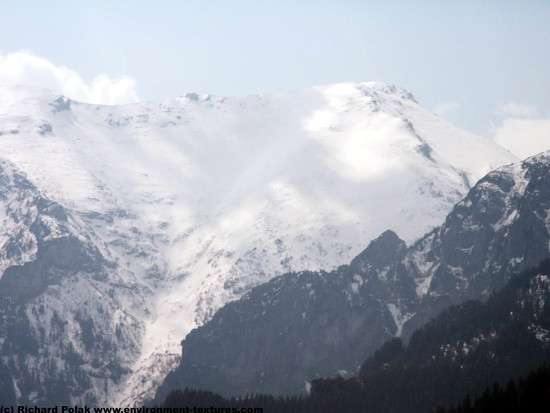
(472, 57)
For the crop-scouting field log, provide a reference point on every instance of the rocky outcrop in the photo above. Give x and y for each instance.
(65, 334)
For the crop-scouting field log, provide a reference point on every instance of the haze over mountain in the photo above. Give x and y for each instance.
(302, 326)
(171, 209)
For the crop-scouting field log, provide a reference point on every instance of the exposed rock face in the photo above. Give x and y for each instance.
(305, 325)
(305, 322)
(63, 333)
(459, 352)
(385, 250)
(500, 228)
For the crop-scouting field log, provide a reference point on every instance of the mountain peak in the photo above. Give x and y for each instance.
(381, 252)
(198, 199)
(373, 88)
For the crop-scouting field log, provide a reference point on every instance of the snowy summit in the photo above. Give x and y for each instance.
(192, 201)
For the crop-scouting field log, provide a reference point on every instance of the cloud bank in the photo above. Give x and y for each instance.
(524, 137)
(520, 132)
(25, 68)
(446, 108)
(516, 110)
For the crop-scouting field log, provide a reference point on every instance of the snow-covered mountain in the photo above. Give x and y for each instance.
(303, 326)
(180, 206)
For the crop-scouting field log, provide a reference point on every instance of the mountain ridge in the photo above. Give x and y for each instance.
(328, 322)
(199, 198)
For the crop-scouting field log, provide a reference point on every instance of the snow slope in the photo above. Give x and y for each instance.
(202, 197)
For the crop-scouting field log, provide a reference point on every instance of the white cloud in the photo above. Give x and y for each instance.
(516, 110)
(25, 68)
(523, 137)
(446, 108)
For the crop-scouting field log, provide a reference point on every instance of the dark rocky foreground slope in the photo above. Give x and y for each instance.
(302, 326)
(465, 351)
